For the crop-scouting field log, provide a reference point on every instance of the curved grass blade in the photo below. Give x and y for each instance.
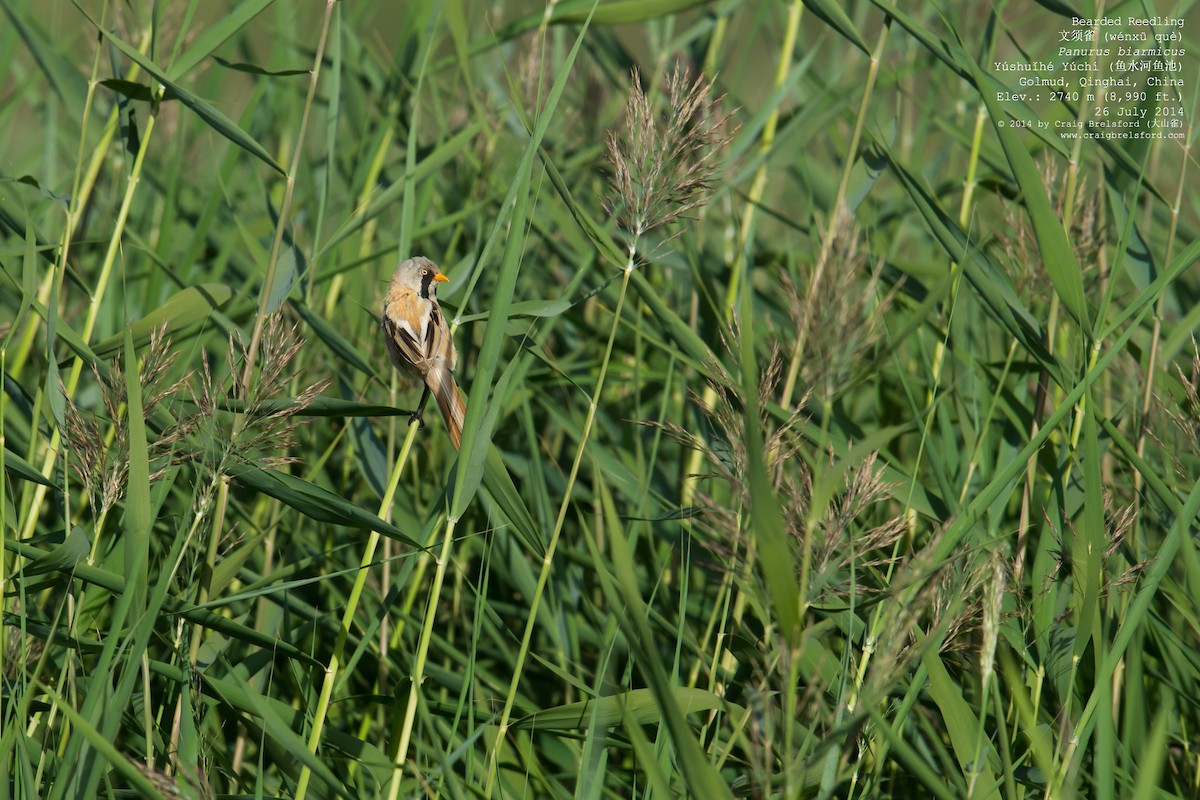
(339, 344)
(58, 329)
(995, 291)
(1139, 613)
(19, 224)
(267, 713)
(1005, 477)
(701, 777)
(115, 583)
(193, 304)
(204, 45)
(68, 84)
(1152, 758)
(64, 557)
(954, 58)
(674, 326)
(476, 445)
(23, 469)
(108, 699)
(775, 557)
(105, 747)
(387, 198)
(313, 501)
(318, 407)
(1057, 255)
(1186, 258)
(286, 275)
(256, 70)
(222, 624)
(637, 705)
(912, 760)
(603, 243)
(961, 726)
(131, 89)
(526, 308)
(206, 111)
(835, 16)
(63, 201)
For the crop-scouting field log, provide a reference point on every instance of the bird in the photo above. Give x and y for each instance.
(418, 339)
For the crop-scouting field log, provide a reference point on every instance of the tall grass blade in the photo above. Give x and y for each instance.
(182, 310)
(313, 501)
(203, 109)
(211, 38)
(1057, 255)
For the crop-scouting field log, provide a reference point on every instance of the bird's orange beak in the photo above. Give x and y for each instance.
(439, 277)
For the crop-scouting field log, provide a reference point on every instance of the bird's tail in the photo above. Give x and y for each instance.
(450, 402)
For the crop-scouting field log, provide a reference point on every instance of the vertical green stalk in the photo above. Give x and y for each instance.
(547, 561)
(367, 240)
(839, 202)
(1160, 305)
(360, 579)
(210, 558)
(1077, 148)
(81, 191)
(715, 40)
(754, 199)
(285, 207)
(1068, 213)
(964, 215)
(218, 485)
(256, 341)
(418, 671)
(110, 257)
(759, 185)
(514, 216)
(744, 236)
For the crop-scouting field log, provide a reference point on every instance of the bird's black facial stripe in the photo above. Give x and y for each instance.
(426, 283)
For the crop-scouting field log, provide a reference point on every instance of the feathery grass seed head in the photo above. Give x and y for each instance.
(268, 427)
(839, 318)
(662, 168)
(101, 460)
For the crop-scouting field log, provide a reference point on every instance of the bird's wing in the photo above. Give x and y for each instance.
(406, 352)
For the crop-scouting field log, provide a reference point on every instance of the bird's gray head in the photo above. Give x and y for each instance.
(421, 274)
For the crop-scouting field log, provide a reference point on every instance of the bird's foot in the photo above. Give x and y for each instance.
(418, 418)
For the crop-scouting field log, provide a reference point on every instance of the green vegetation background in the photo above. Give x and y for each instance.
(873, 473)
